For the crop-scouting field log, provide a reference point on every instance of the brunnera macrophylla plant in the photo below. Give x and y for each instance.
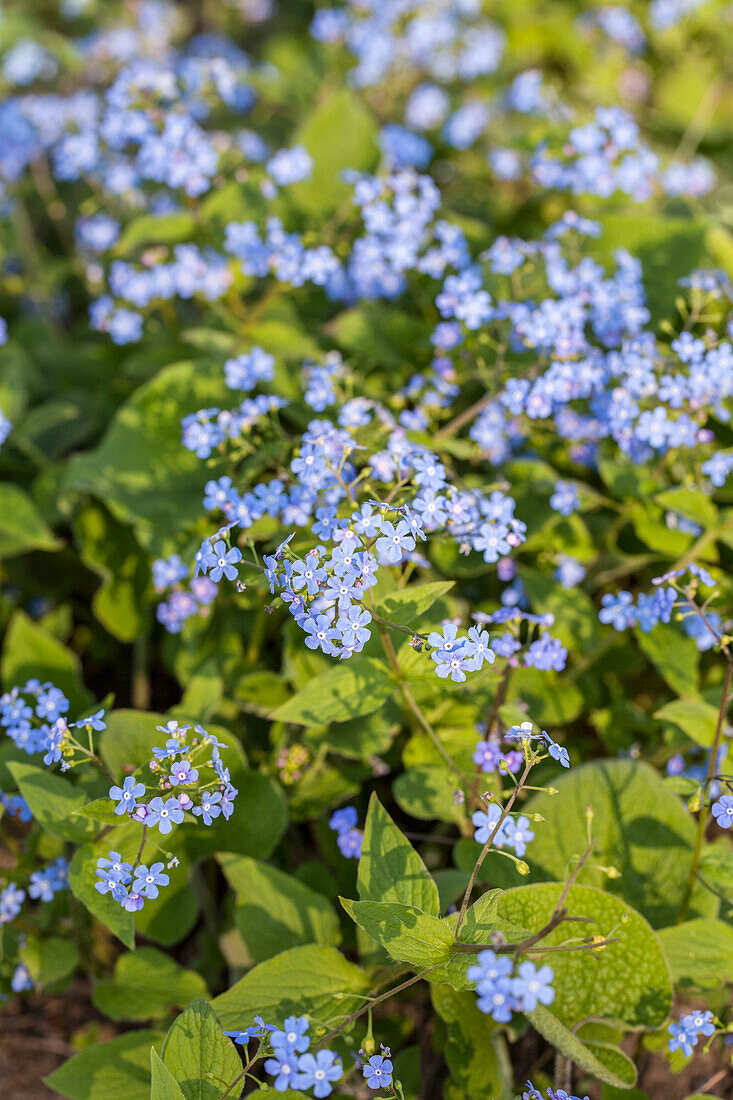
(366, 379)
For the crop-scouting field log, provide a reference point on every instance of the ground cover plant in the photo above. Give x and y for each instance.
(366, 379)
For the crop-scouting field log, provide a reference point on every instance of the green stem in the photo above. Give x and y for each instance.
(702, 820)
(415, 707)
(376, 1001)
(485, 850)
(140, 680)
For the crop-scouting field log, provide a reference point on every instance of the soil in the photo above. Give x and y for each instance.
(36, 1035)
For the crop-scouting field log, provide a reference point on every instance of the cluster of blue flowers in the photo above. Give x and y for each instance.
(452, 45)
(182, 768)
(33, 716)
(292, 1065)
(524, 733)
(621, 610)
(607, 155)
(16, 806)
(129, 884)
(686, 1034)
(531, 1093)
(43, 885)
(501, 992)
(348, 837)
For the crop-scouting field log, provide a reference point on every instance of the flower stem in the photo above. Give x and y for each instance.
(702, 820)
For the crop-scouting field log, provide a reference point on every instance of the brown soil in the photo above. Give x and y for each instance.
(35, 1038)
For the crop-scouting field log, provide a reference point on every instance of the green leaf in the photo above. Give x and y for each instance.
(694, 717)
(690, 503)
(576, 618)
(127, 741)
(675, 657)
(197, 1053)
(163, 1085)
(389, 868)
(628, 982)
(147, 229)
(615, 1069)
(101, 810)
(30, 652)
(82, 878)
(351, 689)
(475, 1051)
(428, 792)
(716, 867)
(164, 496)
(476, 929)
(668, 247)
(313, 979)
(146, 985)
(339, 133)
(170, 917)
(49, 959)
(116, 1070)
(408, 934)
(551, 700)
(640, 828)
(404, 606)
(21, 526)
(110, 549)
(700, 951)
(610, 1092)
(276, 911)
(259, 820)
(53, 801)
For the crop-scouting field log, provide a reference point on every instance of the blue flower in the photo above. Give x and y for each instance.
(681, 1039)
(723, 811)
(116, 867)
(110, 884)
(565, 499)
(517, 834)
(557, 752)
(699, 1022)
(11, 900)
(284, 1068)
(95, 721)
(126, 796)
(182, 773)
(220, 562)
(21, 980)
(618, 611)
(378, 1072)
(343, 819)
(350, 842)
(532, 986)
(164, 814)
(498, 1001)
(318, 1072)
(394, 541)
(257, 1030)
(147, 880)
(488, 968)
(485, 822)
(209, 808)
(292, 1037)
